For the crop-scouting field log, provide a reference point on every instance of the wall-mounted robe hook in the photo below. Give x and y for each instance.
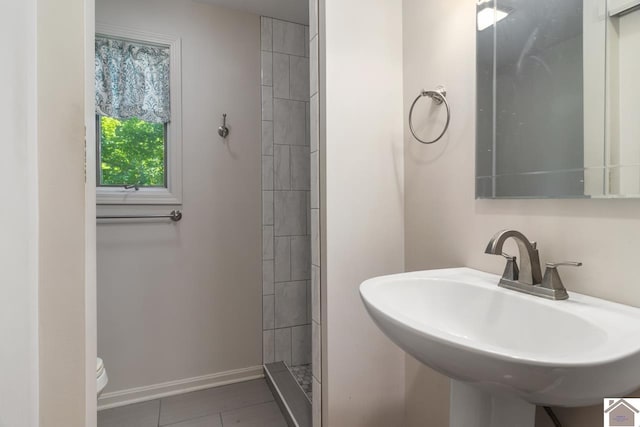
(223, 130)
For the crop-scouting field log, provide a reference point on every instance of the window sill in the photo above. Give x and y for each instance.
(143, 196)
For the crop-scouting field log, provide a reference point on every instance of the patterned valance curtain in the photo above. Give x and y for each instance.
(132, 80)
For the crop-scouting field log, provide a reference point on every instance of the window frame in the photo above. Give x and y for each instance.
(172, 194)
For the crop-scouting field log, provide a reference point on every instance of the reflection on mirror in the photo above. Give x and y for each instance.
(557, 99)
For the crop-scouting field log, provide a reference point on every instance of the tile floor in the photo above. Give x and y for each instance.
(303, 376)
(248, 404)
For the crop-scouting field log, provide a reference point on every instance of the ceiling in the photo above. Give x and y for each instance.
(289, 10)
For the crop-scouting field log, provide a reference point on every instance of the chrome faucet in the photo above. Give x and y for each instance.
(528, 278)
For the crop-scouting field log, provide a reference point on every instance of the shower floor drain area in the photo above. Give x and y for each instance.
(303, 375)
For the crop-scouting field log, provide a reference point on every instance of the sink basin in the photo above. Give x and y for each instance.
(508, 344)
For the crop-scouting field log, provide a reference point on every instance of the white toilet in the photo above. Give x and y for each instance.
(101, 374)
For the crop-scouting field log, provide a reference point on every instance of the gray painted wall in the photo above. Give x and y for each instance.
(177, 301)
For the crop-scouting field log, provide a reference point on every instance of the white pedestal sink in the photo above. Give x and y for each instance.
(506, 351)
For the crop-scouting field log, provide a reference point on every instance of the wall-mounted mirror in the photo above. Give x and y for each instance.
(558, 99)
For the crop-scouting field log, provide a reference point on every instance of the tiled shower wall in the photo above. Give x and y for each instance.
(286, 300)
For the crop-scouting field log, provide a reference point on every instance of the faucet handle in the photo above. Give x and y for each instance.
(567, 263)
(552, 280)
(511, 271)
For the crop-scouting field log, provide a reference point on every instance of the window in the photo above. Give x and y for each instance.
(138, 117)
(131, 152)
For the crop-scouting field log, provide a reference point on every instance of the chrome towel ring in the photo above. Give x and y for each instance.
(438, 96)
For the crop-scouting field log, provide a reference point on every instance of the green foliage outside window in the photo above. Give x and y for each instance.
(132, 152)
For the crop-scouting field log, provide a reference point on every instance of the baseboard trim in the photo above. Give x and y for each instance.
(171, 388)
